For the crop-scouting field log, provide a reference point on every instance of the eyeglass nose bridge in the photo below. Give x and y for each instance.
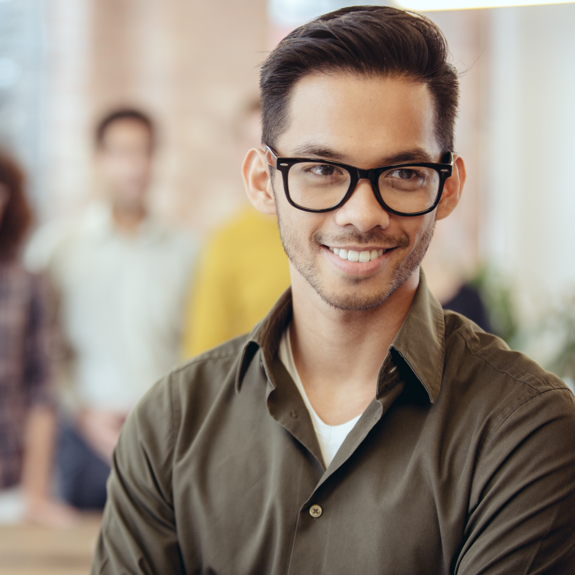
(372, 176)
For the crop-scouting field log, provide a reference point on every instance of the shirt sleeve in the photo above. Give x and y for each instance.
(138, 533)
(39, 338)
(522, 506)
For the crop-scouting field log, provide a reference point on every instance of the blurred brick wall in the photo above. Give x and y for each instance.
(190, 63)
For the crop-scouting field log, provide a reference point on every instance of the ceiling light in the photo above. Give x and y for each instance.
(432, 5)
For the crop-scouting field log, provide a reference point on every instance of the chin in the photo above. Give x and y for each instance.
(354, 301)
(133, 201)
(360, 294)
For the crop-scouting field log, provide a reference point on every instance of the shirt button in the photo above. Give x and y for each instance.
(315, 511)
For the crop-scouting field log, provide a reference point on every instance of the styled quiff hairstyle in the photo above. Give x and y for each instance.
(16, 217)
(366, 40)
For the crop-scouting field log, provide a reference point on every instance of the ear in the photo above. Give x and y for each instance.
(452, 189)
(257, 182)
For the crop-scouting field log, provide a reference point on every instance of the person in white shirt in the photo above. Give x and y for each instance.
(122, 279)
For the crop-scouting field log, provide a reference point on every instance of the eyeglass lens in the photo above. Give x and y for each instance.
(320, 186)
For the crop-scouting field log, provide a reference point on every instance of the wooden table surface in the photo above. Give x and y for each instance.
(27, 549)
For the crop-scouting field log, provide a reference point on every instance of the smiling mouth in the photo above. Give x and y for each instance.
(355, 256)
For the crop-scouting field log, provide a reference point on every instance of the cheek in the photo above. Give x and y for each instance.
(114, 168)
(296, 229)
(315, 230)
(301, 226)
(421, 227)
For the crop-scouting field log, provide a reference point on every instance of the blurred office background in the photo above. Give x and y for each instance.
(193, 64)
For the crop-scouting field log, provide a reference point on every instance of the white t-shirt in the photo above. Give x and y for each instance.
(330, 437)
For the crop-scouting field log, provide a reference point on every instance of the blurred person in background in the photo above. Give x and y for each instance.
(243, 269)
(27, 407)
(121, 280)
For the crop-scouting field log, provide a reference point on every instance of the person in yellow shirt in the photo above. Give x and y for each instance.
(243, 272)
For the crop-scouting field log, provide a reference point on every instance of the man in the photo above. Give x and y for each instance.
(121, 279)
(359, 428)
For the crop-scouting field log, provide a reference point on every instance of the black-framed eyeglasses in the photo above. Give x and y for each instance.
(411, 189)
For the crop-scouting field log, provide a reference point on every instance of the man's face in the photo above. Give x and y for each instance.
(125, 162)
(367, 122)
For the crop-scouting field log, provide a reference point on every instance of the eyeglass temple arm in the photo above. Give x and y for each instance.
(270, 153)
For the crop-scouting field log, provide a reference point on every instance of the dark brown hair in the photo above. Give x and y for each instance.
(16, 217)
(123, 114)
(366, 40)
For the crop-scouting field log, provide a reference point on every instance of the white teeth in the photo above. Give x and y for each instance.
(354, 256)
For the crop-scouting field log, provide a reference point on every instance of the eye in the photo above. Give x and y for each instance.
(408, 179)
(405, 174)
(319, 173)
(325, 170)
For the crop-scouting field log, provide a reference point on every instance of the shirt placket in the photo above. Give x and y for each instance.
(315, 513)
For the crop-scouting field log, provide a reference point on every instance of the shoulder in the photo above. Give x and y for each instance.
(504, 389)
(16, 276)
(14, 271)
(51, 238)
(467, 342)
(211, 368)
(190, 389)
(248, 226)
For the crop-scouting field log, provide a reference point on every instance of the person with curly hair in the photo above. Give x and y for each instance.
(27, 408)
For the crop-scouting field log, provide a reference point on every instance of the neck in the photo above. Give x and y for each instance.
(128, 219)
(338, 353)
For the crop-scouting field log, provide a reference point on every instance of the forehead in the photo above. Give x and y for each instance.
(127, 132)
(362, 119)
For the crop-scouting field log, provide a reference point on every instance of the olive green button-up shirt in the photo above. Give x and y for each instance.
(463, 463)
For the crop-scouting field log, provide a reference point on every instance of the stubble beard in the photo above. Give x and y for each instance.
(356, 300)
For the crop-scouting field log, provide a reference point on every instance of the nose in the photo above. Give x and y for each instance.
(362, 210)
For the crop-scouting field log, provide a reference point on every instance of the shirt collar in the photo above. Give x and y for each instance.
(420, 341)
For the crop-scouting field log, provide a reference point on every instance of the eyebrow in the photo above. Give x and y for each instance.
(319, 151)
(413, 155)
